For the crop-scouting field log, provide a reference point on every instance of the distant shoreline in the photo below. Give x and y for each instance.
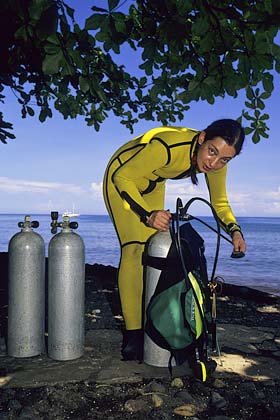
(107, 216)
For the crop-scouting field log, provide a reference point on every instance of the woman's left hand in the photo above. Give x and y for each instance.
(238, 242)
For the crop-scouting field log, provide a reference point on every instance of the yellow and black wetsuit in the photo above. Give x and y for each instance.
(134, 186)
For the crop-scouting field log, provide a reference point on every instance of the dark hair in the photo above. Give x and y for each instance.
(230, 130)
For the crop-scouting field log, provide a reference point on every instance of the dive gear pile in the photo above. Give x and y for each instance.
(181, 313)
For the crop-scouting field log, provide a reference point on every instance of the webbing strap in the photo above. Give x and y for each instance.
(161, 263)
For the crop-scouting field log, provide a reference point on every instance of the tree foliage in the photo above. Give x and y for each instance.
(189, 50)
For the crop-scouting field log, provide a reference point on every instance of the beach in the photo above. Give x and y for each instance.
(100, 385)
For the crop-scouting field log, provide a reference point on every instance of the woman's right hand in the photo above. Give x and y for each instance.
(159, 219)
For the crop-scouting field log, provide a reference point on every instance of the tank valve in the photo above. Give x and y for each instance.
(64, 224)
(28, 223)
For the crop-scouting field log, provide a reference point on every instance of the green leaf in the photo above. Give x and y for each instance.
(147, 66)
(250, 105)
(256, 137)
(53, 39)
(48, 21)
(248, 130)
(200, 27)
(264, 117)
(260, 104)
(268, 82)
(277, 66)
(103, 36)
(43, 115)
(66, 68)
(211, 100)
(149, 52)
(265, 95)
(250, 93)
(37, 8)
(84, 84)
(249, 38)
(143, 81)
(25, 96)
(94, 21)
(112, 4)
(30, 111)
(231, 90)
(21, 33)
(268, 5)
(4, 134)
(193, 84)
(70, 11)
(52, 63)
(52, 49)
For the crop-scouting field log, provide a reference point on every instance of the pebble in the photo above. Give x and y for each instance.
(133, 406)
(187, 410)
(157, 387)
(189, 400)
(28, 414)
(269, 382)
(247, 387)
(157, 401)
(177, 383)
(217, 401)
(185, 396)
(14, 405)
(198, 387)
(218, 383)
(259, 395)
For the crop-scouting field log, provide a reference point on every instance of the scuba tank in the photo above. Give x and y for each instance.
(66, 291)
(26, 309)
(158, 246)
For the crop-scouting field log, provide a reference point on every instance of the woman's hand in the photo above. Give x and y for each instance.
(159, 219)
(238, 242)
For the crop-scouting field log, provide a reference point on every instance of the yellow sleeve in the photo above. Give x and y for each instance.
(216, 182)
(137, 172)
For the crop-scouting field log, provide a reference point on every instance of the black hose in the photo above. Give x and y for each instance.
(189, 203)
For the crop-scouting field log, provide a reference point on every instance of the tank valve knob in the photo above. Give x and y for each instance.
(73, 225)
(54, 217)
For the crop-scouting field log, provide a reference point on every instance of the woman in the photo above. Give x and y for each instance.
(134, 186)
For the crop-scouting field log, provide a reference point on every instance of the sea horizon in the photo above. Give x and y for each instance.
(104, 214)
(259, 268)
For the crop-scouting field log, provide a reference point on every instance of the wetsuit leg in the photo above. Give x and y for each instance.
(133, 236)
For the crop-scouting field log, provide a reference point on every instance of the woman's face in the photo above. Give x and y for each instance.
(213, 154)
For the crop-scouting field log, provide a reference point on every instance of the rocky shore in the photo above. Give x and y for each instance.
(246, 384)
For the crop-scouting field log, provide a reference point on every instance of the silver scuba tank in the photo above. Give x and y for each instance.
(66, 291)
(26, 305)
(158, 246)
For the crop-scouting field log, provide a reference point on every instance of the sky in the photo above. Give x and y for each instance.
(60, 163)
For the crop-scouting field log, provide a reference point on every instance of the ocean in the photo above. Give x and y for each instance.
(260, 268)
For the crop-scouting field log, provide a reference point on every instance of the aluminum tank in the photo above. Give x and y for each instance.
(66, 293)
(26, 310)
(158, 246)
